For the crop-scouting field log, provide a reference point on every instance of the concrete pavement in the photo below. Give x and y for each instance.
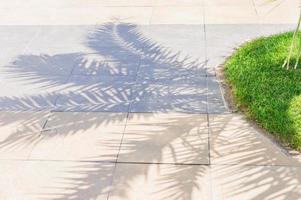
(120, 100)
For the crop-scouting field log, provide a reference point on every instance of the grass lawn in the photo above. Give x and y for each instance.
(265, 91)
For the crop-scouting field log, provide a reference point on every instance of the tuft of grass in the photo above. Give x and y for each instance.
(266, 92)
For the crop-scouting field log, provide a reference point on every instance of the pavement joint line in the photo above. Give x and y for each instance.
(43, 127)
(207, 97)
(115, 166)
(49, 115)
(254, 6)
(207, 118)
(161, 163)
(135, 83)
(99, 76)
(34, 37)
(128, 111)
(205, 37)
(260, 165)
(151, 18)
(104, 162)
(222, 93)
(148, 6)
(209, 138)
(117, 112)
(67, 80)
(123, 132)
(151, 163)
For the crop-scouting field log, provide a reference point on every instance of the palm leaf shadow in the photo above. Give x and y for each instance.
(119, 51)
(117, 44)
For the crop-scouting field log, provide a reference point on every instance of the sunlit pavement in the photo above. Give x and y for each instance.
(120, 100)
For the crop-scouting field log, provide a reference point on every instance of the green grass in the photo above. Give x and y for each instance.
(266, 92)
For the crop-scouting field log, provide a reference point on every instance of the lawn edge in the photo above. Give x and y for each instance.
(229, 98)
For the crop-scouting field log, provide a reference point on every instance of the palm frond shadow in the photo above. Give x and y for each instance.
(97, 176)
(103, 86)
(121, 53)
(252, 167)
(123, 64)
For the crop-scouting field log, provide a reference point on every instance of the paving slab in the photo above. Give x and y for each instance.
(217, 35)
(165, 138)
(174, 33)
(181, 105)
(87, 90)
(122, 107)
(203, 95)
(223, 35)
(52, 15)
(271, 12)
(223, 39)
(34, 180)
(178, 15)
(150, 91)
(173, 42)
(23, 92)
(64, 39)
(255, 182)
(248, 3)
(171, 69)
(11, 35)
(80, 136)
(165, 73)
(172, 91)
(230, 14)
(178, 3)
(39, 103)
(215, 100)
(160, 182)
(20, 132)
(234, 141)
(96, 64)
(14, 40)
(118, 36)
(43, 64)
